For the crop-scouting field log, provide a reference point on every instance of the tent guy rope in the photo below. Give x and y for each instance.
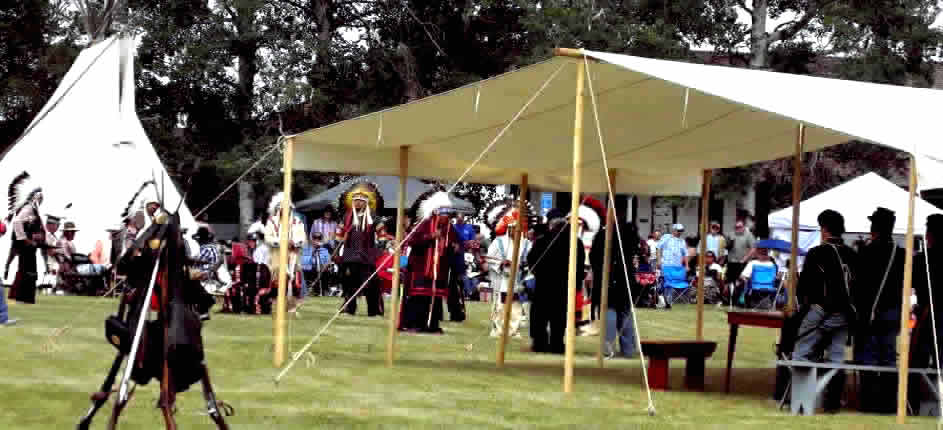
(274, 147)
(625, 272)
(296, 356)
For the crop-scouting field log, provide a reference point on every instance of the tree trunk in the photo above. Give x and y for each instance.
(759, 38)
(246, 207)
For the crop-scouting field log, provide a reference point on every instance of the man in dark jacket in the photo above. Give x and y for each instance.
(549, 260)
(878, 298)
(618, 318)
(824, 291)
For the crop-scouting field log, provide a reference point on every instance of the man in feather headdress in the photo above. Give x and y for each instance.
(504, 219)
(296, 241)
(357, 237)
(28, 235)
(434, 245)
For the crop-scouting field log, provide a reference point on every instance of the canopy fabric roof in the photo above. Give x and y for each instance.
(389, 189)
(87, 147)
(662, 122)
(856, 200)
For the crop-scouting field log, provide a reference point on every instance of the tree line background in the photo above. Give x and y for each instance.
(220, 80)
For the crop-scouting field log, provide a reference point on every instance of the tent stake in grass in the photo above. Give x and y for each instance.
(400, 227)
(574, 233)
(512, 278)
(606, 276)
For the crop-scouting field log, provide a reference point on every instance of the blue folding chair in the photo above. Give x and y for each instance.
(762, 287)
(675, 285)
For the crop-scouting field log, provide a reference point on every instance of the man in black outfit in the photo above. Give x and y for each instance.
(549, 261)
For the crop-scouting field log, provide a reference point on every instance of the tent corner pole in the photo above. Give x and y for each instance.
(796, 203)
(904, 348)
(574, 233)
(512, 277)
(702, 251)
(400, 217)
(279, 348)
(606, 269)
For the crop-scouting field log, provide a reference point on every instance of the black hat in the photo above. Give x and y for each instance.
(203, 235)
(554, 213)
(935, 223)
(883, 215)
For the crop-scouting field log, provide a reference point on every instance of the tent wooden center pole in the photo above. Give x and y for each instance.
(400, 218)
(512, 277)
(702, 252)
(606, 271)
(285, 232)
(904, 348)
(574, 233)
(796, 203)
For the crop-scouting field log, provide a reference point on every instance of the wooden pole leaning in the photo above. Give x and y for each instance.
(400, 230)
(904, 367)
(702, 251)
(516, 251)
(796, 203)
(285, 229)
(607, 269)
(574, 233)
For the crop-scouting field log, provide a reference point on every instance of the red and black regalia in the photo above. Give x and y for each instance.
(434, 245)
(28, 235)
(357, 237)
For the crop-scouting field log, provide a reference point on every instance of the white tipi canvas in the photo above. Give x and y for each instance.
(88, 148)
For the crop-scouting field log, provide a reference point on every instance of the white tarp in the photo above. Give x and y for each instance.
(663, 123)
(87, 147)
(856, 200)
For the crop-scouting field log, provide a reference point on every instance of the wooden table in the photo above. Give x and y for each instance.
(756, 319)
(659, 352)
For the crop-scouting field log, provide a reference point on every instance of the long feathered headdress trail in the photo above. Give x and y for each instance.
(20, 193)
(131, 205)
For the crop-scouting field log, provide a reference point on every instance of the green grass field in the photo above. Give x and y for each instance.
(438, 381)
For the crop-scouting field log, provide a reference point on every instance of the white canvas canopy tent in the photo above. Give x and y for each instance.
(855, 200)
(665, 124)
(87, 147)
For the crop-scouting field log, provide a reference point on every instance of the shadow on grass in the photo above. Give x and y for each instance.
(746, 382)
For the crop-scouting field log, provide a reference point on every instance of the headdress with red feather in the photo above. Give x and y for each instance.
(590, 215)
(504, 213)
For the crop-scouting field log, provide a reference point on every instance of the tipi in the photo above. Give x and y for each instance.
(88, 148)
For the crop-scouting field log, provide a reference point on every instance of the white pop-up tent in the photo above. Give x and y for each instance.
(855, 200)
(87, 147)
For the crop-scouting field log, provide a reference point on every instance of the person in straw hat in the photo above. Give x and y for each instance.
(73, 261)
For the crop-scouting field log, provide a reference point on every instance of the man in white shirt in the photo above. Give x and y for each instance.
(499, 255)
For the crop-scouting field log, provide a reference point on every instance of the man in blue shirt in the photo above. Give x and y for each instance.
(673, 259)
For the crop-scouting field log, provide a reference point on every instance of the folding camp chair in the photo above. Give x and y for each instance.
(760, 291)
(675, 283)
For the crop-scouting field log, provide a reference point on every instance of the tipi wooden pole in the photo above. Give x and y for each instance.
(796, 203)
(400, 227)
(702, 252)
(606, 269)
(904, 347)
(285, 229)
(574, 234)
(516, 250)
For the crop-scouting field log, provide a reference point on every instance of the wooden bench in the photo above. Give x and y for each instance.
(808, 385)
(659, 352)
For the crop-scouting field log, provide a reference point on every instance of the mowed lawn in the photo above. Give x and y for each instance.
(448, 381)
